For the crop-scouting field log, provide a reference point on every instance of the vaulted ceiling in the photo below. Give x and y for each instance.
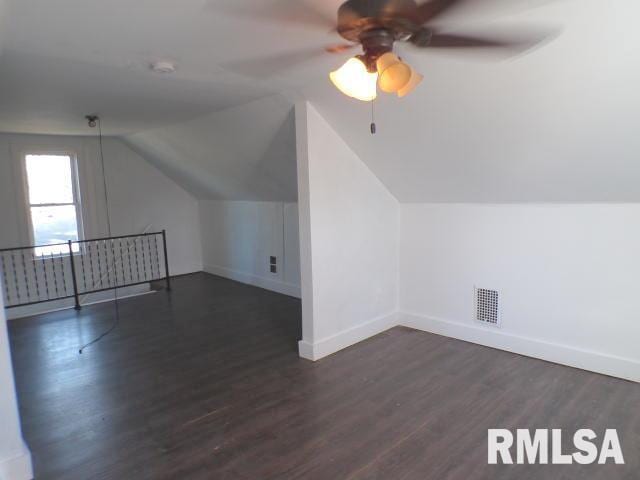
(241, 153)
(558, 124)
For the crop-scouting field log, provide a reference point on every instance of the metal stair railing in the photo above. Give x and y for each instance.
(43, 273)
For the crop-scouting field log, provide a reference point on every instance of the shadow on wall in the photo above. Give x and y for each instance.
(278, 164)
(242, 153)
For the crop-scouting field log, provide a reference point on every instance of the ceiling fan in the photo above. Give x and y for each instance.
(376, 26)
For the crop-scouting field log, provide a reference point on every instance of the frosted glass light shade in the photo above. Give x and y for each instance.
(393, 74)
(413, 82)
(355, 81)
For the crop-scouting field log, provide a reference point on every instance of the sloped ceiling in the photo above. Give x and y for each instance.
(558, 124)
(242, 153)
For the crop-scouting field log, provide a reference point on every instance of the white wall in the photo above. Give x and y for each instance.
(15, 459)
(349, 241)
(239, 237)
(140, 196)
(567, 275)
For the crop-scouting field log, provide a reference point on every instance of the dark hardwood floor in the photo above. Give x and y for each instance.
(205, 383)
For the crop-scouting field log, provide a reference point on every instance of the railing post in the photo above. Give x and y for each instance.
(166, 260)
(76, 296)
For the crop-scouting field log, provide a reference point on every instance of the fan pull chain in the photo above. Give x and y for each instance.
(373, 120)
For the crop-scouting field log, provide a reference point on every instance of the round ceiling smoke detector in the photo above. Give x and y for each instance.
(163, 66)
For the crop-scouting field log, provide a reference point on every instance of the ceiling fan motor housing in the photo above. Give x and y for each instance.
(375, 43)
(376, 24)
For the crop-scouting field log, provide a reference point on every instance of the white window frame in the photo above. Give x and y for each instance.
(75, 181)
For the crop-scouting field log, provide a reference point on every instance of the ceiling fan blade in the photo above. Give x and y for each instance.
(340, 47)
(446, 40)
(279, 11)
(431, 9)
(513, 41)
(270, 65)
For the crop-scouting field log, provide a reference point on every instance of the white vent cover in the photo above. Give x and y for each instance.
(487, 306)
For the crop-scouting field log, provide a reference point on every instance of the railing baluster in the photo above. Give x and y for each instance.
(135, 249)
(115, 261)
(73, 277)
(150, 257)
(15, 275)
(144, 259)
(93, 268)
(154, 255)
(6, 283)
(128, 249)
(124, 276)
(46, 278)
(99, 264)
(166, 260)
(109, 263)
(63, 271)
(113, 264)
(55, 276)
(35, 272)
(82, 252)
(155, 249)
(106, 263)
(26, 277)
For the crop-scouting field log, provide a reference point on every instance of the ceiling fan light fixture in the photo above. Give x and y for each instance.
(414, 81)
(393, 74)
(354, 80)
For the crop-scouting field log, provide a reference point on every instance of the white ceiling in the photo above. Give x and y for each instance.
(67, 58)
(558, 124)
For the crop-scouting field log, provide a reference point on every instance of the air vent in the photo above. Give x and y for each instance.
(487, 306)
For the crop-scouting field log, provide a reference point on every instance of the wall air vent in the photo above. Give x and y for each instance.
(487, 306)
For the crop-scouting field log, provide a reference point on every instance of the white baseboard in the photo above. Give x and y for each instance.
(251, 279)
(179, 272)
(17, 467)
(598, 362)
(346, 338)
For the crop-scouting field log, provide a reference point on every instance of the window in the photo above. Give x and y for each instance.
(54, 207)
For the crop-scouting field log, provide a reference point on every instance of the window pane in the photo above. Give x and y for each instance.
(56, 250)
(54, 224)
(49, 178)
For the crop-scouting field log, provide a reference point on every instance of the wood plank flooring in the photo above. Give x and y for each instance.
(205, 383)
